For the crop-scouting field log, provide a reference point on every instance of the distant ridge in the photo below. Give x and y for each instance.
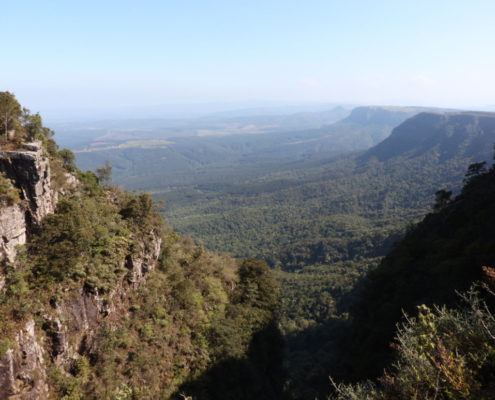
(390, 115)
(466, 134)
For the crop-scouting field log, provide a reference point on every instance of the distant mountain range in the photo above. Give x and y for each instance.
(194, 110)
(462, 134)
(227, 142)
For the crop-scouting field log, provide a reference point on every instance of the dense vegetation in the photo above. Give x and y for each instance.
(442, 354)
(9, 194)
(196, 312)
(221, 160)
(445, 352)
(439, 256)
(363, 204)
(207, 326)
(196, 316)
(18, 123)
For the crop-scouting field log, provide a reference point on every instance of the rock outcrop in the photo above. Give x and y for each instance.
(73, 331)
(22, 368)
(12, 230)
(29, 169)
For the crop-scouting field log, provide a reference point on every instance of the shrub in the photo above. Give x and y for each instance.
(9, 195)
(442, 354)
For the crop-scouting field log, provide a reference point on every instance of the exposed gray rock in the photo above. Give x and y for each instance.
(12, 230)
(144, 262)
(73, 332)
(22, 369)
(29, 169)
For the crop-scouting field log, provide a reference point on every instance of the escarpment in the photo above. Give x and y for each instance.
(100, 300)
(68, 332)
(48, 326)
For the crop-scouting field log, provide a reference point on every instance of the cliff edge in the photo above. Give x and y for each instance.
(67, 330)
(29, 170)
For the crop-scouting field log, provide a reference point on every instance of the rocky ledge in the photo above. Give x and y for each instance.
(29, 169)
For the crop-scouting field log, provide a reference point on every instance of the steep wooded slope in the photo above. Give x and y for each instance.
(443, 254)
(104, 301)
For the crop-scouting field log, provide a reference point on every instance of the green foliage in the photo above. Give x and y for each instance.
(191, 316)
(104, 173)
(89, 179)
(197, 309)
(224, 158)
(10, 110)
(81, 367)
(323, 225)
(442, 199)
(18, 123)
(5, 344)
(58, 175)
(9, 194)
(442, 254)
(476, 169)
(443, 354)
(84, 243)
(194, 312)
(85, 238)
(68, 160)
(52, 148)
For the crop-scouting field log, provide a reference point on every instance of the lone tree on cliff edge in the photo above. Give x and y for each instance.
(9, 109)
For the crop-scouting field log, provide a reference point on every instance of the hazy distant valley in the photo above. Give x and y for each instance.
(327, 199)
(247, 200)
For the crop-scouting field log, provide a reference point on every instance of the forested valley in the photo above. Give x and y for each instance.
(323, 225)
(367, 247)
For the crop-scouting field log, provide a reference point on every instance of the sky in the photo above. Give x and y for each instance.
(127, 53)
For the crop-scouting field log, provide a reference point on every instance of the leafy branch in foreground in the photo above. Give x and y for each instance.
(442, 354)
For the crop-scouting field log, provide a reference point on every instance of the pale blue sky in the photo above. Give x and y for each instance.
(130, 53)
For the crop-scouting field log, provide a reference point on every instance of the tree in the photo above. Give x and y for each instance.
(442, 199)
(68, 159)
(9, 109)
(104, 173)
(475, 169)
(33, 125)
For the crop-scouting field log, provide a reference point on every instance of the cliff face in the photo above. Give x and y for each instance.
(29, 169)
(23, 369)
(69, 332)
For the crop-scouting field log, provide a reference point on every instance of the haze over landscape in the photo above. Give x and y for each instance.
(238, 200)
(78, 58)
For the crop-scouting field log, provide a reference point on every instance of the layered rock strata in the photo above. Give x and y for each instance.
(29, 170)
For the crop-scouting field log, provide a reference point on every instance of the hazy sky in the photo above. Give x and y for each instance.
(127, 53)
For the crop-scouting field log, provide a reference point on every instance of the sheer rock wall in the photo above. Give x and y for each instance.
(29, 170)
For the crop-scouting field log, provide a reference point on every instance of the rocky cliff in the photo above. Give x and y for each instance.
(29, 169)
(59, 336)
(68, 335)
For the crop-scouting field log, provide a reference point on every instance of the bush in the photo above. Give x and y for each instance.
(9, 195)
(443, 354)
